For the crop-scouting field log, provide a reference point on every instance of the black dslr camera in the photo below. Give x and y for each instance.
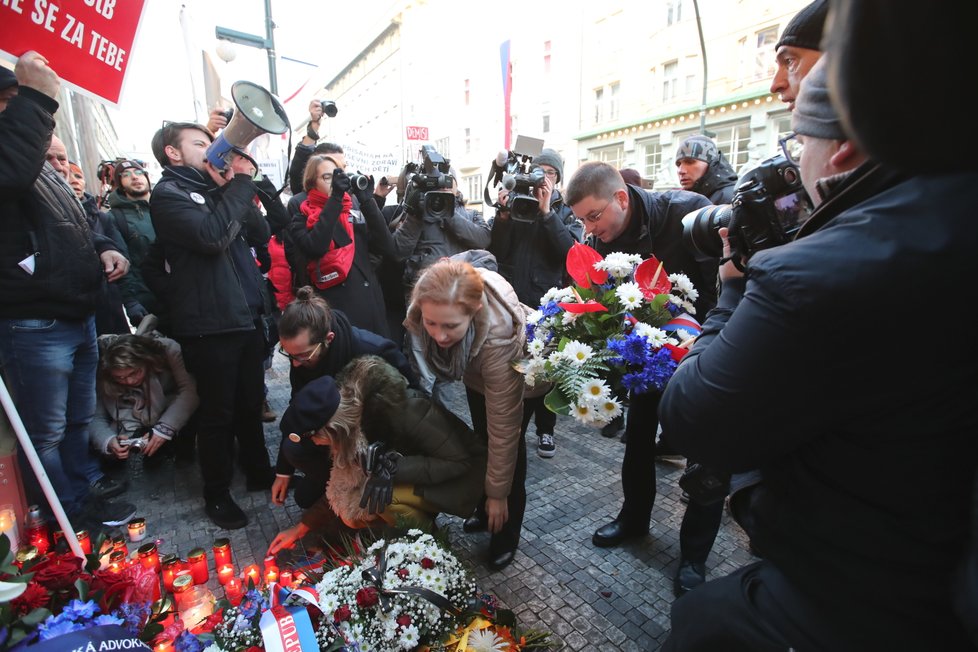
(521, 179)
(769, 206)
(434, 183)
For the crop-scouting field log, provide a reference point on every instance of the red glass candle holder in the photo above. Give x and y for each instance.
(222, 552)
(234, 591)
(251, 573)
(225, 574)
(285, 578)
(197, 560)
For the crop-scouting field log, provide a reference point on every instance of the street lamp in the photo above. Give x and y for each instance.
(267, 43)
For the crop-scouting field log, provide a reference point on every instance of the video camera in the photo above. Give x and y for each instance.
(516, 173)
(433, 180)
(768, 207)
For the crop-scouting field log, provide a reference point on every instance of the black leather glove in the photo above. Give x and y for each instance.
(412, 200)
(380, 466)
(341, 183)
(368, 192)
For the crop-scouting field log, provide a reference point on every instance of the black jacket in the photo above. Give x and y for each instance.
(132, 219)
(656, 228)
(867, 445)
(348, 342)
(206, 233)
(718, 183)
(532, 255)
(40, 217)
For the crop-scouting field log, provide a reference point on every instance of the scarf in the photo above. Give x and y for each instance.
(313, 204)
(448, 364)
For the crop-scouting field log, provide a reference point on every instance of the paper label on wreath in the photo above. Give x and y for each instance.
(104, 638)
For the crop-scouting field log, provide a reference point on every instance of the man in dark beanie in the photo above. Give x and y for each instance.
(8, 86)
(798, 50)
(531, 252)
(703, 169)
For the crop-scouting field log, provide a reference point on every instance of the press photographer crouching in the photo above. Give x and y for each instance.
(531, 234)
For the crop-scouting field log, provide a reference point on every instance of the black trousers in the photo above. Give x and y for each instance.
(638, 465)
(534, 408)
(230, 383)
(508, 537)
(699, 529)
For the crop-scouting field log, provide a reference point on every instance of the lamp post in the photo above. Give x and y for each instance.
(267, 43)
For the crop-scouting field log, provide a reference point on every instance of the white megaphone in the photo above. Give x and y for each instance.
(258, 112)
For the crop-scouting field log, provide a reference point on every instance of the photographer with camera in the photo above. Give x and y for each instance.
(628, 219)
(835, 434)
(531, 254)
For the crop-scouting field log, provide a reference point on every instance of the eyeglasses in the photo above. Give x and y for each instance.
(792, 148)
(305, 357)
(133, 172)
(595, 217)
(551, 173)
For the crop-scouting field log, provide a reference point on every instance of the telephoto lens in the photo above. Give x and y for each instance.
(358, 181)
(700, 230)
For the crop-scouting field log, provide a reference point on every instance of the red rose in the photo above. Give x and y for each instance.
(33, 597)
(211, 621)
(404, 620)
(367, 597)
(403, 573)
(341, 614)
(58, 572)
(427, 563)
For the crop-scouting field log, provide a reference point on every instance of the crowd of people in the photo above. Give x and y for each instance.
(148, 324)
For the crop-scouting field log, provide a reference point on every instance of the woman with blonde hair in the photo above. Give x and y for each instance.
(398, 458)
(470, 326)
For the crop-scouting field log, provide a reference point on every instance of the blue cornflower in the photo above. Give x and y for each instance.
(56, 626)
(673, 308)
(550, 309)
(187, 642)
(252, 604)
(108, 619)
(133, 614)
(78, 610)
(530, 328)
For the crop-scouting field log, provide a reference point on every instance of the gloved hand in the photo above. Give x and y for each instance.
(136, 312)
(412, 199)
(380, 467)
(366, 193)
(341, 183)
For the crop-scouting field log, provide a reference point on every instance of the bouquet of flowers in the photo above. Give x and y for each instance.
(401, 594)
(622, 327)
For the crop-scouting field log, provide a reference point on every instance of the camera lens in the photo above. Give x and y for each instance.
(700, 230)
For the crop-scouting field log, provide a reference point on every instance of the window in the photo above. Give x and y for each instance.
(613, 102)
(612, 155)
(466, 92)
(546, 123)
(743, 57)
(442, 146)
(473, 187)
(764, 62)
(546, 57)
(598, 102)
(733, 139)
(468, 140)
(674, 11)
(670, 75)
(651, 157)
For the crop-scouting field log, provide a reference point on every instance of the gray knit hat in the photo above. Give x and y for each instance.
(699, 147)
(814, 114)
(7, 78)
(805, 29)
(552, 158)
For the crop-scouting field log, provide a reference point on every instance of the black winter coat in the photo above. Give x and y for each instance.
(868, 448)
(41, 217)
(718, 183)
(206, 233)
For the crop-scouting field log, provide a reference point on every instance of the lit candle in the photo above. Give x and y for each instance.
(233, 591)
(271, 574)
(117, 561)
(149, 557)
(164, 645)
(182, 590)
(251, 573)
(222, 552)
(169, 571)
(137, 529)
(84, 541)
(225, 574)
(8, 525)
(197, 559)
(269, 562)
(285, 578)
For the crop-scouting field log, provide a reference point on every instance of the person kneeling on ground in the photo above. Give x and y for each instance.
(425, 460)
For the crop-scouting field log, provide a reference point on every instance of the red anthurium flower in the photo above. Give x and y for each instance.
(580, 265)
(677, 352)
(581, 308)
(652, 278)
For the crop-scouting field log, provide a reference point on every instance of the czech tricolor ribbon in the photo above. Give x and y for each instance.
(288, 629)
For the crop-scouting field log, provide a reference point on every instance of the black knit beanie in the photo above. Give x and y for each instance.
(805, 29)
(814, 114)
(552, 158)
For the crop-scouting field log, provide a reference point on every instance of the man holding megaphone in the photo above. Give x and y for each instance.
(206, 222)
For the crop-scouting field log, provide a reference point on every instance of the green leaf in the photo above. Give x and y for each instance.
(150, 632)
(35, 617)
(12, 574)
(505, 617)
(556, 402)
(82, 587)
(5, 554)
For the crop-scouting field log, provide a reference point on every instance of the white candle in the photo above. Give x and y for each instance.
(8, 525)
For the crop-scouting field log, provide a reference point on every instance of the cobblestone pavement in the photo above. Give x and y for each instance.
(590, 598)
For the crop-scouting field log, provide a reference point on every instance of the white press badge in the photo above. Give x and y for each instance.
(197, 198)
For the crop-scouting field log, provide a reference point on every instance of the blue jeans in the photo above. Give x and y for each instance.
(49, 368)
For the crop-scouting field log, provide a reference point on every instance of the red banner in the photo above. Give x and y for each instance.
(417, 133)
(86, 42)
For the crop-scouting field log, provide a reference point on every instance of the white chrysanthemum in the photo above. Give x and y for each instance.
(618, 264)
(534, 317)
(577, 352)
(376, 545)
(568, 318)
(328, 603)
(595, 391)
(541, 333)
(409, 638)
(682, 284)
(608, 409)
(485, 640)
(630, 295)
(535, 348)
(532, 368)
(415, 532)
(656, 336)
(584, 412)
(560, 295)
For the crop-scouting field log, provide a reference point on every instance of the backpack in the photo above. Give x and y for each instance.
(334, 266)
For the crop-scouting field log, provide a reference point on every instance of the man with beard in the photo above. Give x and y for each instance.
(129, 209)
(206, 223)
